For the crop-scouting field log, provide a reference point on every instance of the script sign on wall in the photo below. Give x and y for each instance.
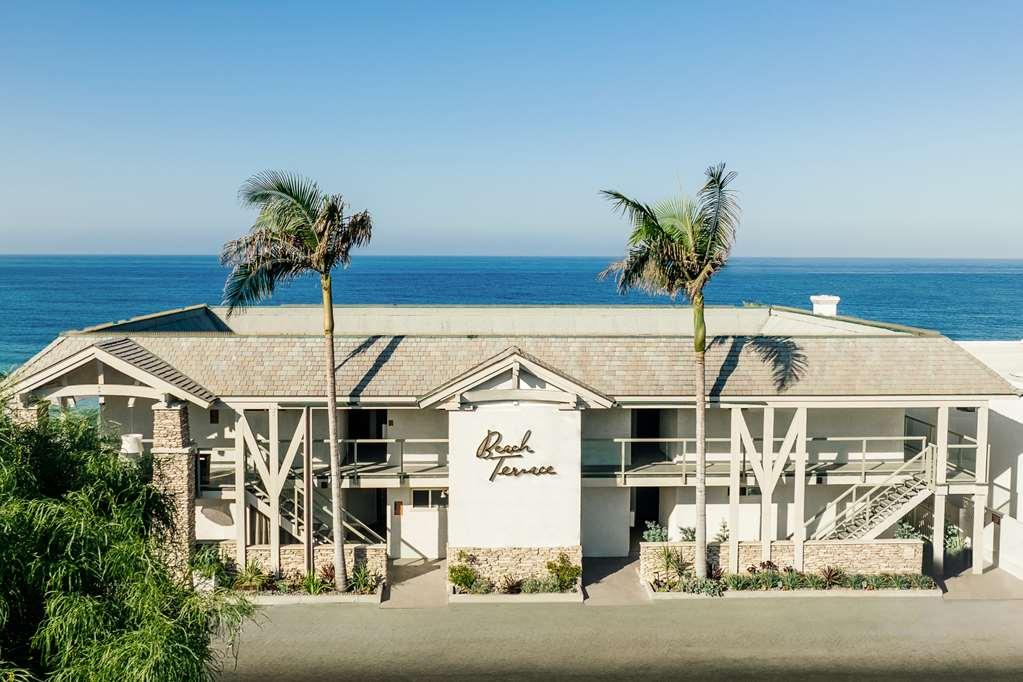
(493, 448)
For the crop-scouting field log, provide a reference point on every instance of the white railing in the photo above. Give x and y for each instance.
(923, 463)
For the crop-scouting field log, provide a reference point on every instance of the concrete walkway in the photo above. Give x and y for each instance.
(994, 583)
(613, 582)
(768, 639)
(416, 584)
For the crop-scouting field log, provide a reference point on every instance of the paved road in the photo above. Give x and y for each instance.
(763, 639)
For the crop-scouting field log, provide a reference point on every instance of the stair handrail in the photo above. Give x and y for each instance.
(855, 505)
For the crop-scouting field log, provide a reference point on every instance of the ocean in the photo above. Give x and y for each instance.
(965, 299)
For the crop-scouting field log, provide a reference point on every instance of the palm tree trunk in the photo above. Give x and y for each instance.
(700, 347)
(336, 501)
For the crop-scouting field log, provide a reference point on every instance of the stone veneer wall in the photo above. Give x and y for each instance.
(852, 556)
(493, 563)
(30, 415)
(293, 556)
(174, 474)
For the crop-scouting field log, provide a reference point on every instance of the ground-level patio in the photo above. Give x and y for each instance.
(714, 639)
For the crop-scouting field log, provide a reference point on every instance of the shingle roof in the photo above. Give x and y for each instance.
(131, 352)
(387, 366)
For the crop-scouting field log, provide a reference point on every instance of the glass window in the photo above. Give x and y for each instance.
(440, 498)
(420, 498)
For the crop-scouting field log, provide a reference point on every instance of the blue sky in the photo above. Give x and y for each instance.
(858, 129)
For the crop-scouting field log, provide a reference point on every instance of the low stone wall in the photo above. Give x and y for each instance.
(869, 556)
(494, 563)
(293, 556)
(852, 556)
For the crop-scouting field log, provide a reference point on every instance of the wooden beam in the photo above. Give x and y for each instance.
(274, 490)
(799, 537)
(767, 516)
(735, 449)
(941, 465)
(307, 490)
(241, 507)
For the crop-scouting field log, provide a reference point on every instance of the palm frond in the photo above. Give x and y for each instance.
(291, 198)
(720, 212)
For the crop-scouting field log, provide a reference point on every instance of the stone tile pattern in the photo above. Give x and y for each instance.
(29, 415)
(293, 557)
(494, 563)
(852, 556)
(174, 474)
(283, 365)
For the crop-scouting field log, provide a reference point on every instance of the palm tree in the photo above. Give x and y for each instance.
(300, 230)
(675, 247)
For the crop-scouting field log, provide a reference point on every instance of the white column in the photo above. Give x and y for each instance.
(767, 515)
(799, 536)
(241, 509)
(980, 499)
(307, 490)
(733, 491)
(274, 491)
(938, 536)
(940, 479)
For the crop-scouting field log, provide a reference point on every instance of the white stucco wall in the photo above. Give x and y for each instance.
(419, 533)
(418, 424)
(599, 428)
(527, 511)
(605, 521)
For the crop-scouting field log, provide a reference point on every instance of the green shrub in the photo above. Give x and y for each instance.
(509, 585)
(313, 584)
(955, 540)
(536, 585)
(815, 581)
(907, 531)
(208, 563)
(674, 564)
(687, 534)
(362, 580)
(86, 588)
(792, 580)
(252, 578)
(875, 582)
(922, 582)
(564, 573)
(767, 580)
(655, 532)
(856, 581)
(704, 586)
(481, 586)
(738, 581)
(463, 577)
(722, 534)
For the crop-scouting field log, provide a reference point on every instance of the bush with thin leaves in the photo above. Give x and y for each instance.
(85, 587)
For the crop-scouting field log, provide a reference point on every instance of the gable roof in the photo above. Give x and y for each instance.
(613, 366)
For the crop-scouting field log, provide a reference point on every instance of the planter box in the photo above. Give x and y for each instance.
(531, 598)
(269, 599)
(794, 594)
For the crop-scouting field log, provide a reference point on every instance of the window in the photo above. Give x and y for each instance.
(214, 416)
(429, 498)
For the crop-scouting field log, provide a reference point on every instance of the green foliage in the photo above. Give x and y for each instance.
(792, 580)
(86, 592)
(814, 581)
(955, 540)
(362, 580)
(462, 576)
(922, 582)
(252, 578)
(208, 563)
(789, 579)
(738, 581)
(907, 531)
(564, 573)
(536, 585)
(673, 563)
(314, 584)
(481, 586)
(856, 581)
(687, 534)
(655, 532)
(723, 533)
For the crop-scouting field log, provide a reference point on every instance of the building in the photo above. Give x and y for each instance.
(520, 432)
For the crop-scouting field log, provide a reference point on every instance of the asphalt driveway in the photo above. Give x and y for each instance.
(880, 638)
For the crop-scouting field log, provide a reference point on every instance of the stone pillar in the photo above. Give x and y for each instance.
(29, 415)
(174, 457)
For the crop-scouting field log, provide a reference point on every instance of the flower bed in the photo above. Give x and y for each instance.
(766, 577)
(211, 571)
(467, 585)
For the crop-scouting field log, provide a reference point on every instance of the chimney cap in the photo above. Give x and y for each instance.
(825, 304)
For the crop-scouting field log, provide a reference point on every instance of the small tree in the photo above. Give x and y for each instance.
(85, 592)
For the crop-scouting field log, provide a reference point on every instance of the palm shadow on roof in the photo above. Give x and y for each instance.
(787, 360)
(381, 359)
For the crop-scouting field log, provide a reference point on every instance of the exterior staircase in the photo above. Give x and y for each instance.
(868, 515)
(292, 514)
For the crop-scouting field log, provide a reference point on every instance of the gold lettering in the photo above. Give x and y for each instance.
(492, 447)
